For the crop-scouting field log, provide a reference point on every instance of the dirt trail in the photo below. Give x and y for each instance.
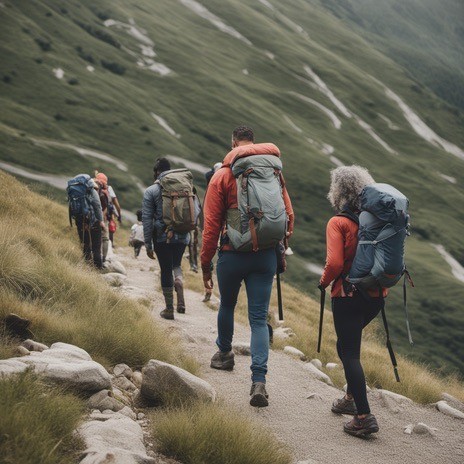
(305, 425)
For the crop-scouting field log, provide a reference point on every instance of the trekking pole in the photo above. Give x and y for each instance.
(321, 318)
(279, 298)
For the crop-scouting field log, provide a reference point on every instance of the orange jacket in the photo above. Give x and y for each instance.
(342, 241)
(222, 195)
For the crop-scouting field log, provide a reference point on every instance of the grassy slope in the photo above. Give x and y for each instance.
(208, 94)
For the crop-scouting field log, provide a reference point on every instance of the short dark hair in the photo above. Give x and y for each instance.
(242, 133)
(161, 165)
(139, 214)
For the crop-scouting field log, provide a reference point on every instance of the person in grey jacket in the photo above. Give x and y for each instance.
(169, 253)
(90, 235)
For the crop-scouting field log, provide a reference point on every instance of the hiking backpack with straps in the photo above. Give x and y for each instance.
(260, 220)
(180, 212)
(79, 190)
(379, 259)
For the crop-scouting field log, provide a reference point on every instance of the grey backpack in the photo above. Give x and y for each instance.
(260, 220)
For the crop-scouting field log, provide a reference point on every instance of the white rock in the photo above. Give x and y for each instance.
(315, 372)
(67, 364)
(114, 279)
(316, 362)
(31, 345)
(445, 408)
(283, 333)
(423, 429)
(22, 351)
(242, 348)
(292, 351)
(394, 396)
(104, 401)
(140, 416)
(11, 366)
(123, 383)
(137, 379)
(111, 266)
(122, 369)
(408, 429)
(128, 412)
(452, 401)
(314, 396)
(331, 366)
(114, 439)
(160, 378)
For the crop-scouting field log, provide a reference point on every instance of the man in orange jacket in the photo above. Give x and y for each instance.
(256, 268)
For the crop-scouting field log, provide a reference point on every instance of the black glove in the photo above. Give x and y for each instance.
(321, 288)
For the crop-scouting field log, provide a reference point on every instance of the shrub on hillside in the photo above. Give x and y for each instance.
(84, 55)
(99, 34)
(44, 45)
(115, 68)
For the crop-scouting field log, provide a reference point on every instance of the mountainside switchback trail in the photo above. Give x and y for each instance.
(299, 410)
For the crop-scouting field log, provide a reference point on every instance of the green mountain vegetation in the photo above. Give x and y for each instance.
(424, 36)
(111, 85)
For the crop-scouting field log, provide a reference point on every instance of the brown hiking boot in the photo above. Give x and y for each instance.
(167, 313)
(259, 396)
(223, 361)
(362, 427)
(344, 406)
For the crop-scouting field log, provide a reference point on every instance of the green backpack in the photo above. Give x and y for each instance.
(260, 220)
(178, 201)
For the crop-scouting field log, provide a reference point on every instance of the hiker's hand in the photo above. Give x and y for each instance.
(102, 225)
(150, 253)
(208, 277)
(321, 288)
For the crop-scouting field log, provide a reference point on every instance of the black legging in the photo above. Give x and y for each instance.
(91, 240)
(169, 257)
(351, 315)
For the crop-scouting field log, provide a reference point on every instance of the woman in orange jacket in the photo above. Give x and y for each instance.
(352, 311)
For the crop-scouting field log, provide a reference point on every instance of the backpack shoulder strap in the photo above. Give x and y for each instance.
(350, 215)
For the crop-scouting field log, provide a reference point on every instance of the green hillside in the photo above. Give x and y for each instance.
(424, 36)
(131, 81)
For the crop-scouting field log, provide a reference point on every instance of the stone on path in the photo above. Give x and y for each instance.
(115, 279)
(65, 364)
(113, 438)
(104, 400)
(22, 351)
(136, 379)
(452, 401)
(160, 380)
(123, 383)
(292, 351)
(316, 362)
(242, 348)
(31, 345)
(445, 408)
(315, 372)
(114, 266)
(392, 401)
(314, 396)
(423, 429)
(122, 369)
(331, 366)
(283, 333)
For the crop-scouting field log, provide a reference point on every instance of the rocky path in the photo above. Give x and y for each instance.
(299, 410)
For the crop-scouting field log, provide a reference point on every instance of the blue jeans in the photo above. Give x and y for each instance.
(257, 269)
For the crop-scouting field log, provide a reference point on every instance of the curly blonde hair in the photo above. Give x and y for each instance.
(346, 183)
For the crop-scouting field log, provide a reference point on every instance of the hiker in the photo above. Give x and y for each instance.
(247, 254)
(85, 208)
(111, 209)
(136, 238)
(352, 310)
(209, 174)
(162, 239)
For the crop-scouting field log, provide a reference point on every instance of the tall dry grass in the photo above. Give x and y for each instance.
(301, 314)
(214, 433)
(43, 278)
(37, 422)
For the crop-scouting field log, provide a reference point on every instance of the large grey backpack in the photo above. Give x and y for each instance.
(379, 260)
(260, 220)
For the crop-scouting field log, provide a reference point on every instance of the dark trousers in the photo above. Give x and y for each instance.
(257, 270)
(351, 315)
(91, 241)
(169, 257)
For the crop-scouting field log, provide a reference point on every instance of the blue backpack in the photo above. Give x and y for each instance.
(79, 190)
(379, 260)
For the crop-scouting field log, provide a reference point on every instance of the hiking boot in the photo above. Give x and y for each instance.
(179, 288)
(167, 313)
(259, 396)
(362, 427)
(344, 406)
(223, 361)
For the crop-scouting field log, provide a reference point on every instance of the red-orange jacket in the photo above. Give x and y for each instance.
(342, 241)
(222, 196)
